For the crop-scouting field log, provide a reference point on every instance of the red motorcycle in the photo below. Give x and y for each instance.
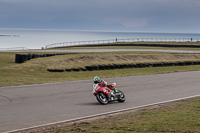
(105, 93)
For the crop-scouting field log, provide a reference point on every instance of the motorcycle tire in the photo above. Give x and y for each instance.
(121, 98)
(102, 98)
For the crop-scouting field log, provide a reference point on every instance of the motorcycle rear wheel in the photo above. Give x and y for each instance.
(102, 98)
(121, 98)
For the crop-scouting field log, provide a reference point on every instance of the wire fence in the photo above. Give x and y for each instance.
(129, 40)
(14, 48)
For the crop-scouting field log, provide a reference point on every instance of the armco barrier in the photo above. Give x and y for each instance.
(116, 66)
(95, 67)
(29, 56)
(21, 58)
(24, 57)
(55, 70)
(112, 67)
(102, 67)
(18, 58)
(33, 56)
(107, 67)
(89, 68)
(59, 70)
(83, 69)
(51, 70)
(68, 70)
(76, 69)
(121, 66)
(130, 65)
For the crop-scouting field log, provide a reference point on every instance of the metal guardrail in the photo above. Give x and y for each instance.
(65, 44)
(15, 48)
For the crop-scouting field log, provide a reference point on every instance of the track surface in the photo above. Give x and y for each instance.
(106, 50)
(27, 106)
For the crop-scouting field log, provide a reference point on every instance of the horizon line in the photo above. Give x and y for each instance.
(35, 29)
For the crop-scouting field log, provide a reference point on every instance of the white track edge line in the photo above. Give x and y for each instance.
(101, 114)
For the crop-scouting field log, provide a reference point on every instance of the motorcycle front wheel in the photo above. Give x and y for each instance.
(101, 98)
(121, 96)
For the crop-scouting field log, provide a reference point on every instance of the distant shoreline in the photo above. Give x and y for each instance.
(9, 35)
(5, 35)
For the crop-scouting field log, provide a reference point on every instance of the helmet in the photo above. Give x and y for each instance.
(96, 79)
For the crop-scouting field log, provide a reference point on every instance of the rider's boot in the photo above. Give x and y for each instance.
(114, 90)
(113, 94)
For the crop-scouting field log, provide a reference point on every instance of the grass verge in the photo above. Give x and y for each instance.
(35, 71)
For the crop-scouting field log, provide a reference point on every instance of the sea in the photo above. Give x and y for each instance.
(38, 38)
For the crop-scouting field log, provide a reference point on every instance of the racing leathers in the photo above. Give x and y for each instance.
(103, 83)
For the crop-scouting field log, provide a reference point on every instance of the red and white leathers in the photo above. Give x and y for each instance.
(104, 83)
(101, 83)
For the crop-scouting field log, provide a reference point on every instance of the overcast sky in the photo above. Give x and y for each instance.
(115, 15)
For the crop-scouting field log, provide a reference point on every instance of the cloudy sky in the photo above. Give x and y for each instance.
(116, 15)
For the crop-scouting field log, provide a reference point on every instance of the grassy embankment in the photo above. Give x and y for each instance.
(178, 117)
(35, 70)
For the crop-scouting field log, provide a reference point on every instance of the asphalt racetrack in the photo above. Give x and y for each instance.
(33, 105)
(105, 50)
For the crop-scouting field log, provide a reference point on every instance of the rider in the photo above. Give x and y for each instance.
(101, 82)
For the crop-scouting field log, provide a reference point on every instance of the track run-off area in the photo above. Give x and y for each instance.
(34, 105)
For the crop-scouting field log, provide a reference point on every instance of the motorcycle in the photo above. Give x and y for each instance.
(105, 94)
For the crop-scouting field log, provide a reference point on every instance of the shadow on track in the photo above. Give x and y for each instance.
(96, 103)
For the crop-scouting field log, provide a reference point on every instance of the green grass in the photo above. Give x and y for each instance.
(40, 75)
(35, 70)
(7, 59)
(180, 117)
(85, 59)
